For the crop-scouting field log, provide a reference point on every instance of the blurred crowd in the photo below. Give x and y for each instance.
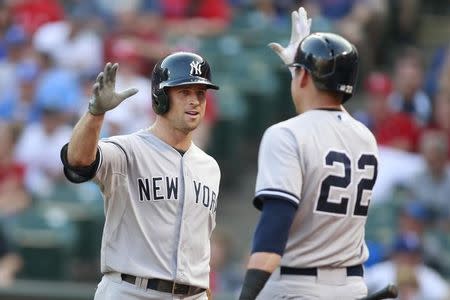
(51, 52)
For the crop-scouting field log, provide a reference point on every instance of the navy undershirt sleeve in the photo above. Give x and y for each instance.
(272, 231)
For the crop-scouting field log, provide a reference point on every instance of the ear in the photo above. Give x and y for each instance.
(303, 78)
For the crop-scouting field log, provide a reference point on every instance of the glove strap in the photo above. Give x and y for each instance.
(92, 109)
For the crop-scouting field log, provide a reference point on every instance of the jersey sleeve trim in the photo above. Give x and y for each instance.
(100, 158)
(120, 147)
(275, 193)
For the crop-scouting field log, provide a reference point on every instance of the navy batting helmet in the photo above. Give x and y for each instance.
(180, 68)
(331, 60)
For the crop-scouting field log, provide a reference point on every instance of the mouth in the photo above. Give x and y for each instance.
(193, 113)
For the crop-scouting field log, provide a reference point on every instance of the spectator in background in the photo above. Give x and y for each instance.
(432, 184)
(267, 14)
(199, 18)
(408, 95)
(404, 20)
(439, 61)
(415, 280)
(223, 278)
(415, 218)
(358, 21)
(441, 114)
(10, 262)
(13, 196)
(18, 105)
(8, 29)
(57, 87)
(138, 36)
(111, 8)
(31, 14)
(72, 44)
(393, 129)
(17, 52)
(444, 76)
(38, 149)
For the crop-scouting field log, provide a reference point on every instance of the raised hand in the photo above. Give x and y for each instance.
(300, 28)
(105, 97)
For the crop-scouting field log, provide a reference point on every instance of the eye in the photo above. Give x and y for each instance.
(185, 92)
(201, 94)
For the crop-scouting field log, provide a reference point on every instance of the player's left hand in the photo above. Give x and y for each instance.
(105, 96)
(301, 27)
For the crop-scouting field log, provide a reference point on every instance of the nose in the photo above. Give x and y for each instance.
(194, 99)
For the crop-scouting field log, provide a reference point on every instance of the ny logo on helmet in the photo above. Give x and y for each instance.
(195, 68)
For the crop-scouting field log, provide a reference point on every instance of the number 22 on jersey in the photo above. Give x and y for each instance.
(336, 190)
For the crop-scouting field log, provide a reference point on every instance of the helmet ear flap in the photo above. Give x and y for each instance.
(160, 102)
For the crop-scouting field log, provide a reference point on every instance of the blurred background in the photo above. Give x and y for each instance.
(51, 51)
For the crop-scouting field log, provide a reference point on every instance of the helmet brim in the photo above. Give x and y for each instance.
(190, 81)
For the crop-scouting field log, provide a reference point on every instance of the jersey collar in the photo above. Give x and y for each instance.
(328, 109)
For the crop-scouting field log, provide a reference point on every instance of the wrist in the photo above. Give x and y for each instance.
(94, 116)
(93, 111)
(254, 282)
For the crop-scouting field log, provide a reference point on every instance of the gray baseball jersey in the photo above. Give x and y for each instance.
(160, 208)
(325, 163)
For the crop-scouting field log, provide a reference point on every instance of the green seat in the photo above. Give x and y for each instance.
(382, 222)
(44, 239)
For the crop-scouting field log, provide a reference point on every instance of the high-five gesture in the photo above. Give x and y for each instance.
(105, 97)
(301, 26)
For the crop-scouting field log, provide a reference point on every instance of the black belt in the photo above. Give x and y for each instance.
(166, 286)
(351, 271)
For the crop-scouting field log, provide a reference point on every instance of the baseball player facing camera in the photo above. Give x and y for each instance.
(315, 177)
(160, 189)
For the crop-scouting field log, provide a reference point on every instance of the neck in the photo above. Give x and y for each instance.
(176, 138)
(319, 101)
(310, 105)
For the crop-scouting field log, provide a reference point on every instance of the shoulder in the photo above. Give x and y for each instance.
(362, 128)
(282, 130)
(122, 142)
(125, 138)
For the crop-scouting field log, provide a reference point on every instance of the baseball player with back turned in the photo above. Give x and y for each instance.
(160, 190)
(315, 176)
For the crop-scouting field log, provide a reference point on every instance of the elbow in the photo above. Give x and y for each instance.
(75, 158)
(76, 168)
(77, 161)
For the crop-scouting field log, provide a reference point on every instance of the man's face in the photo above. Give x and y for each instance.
(187, 106)
(408, 78)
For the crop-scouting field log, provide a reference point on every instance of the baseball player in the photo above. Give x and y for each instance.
(160, 190)
(315, 176)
